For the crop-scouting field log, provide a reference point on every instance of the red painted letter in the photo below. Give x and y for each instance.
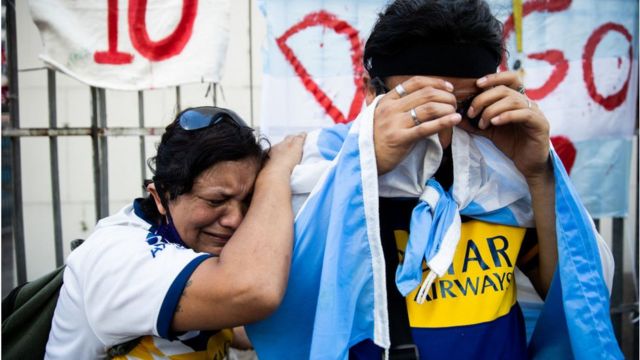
(329, 21)
(554, 57)
(112, 56)
(169, 46)
(612, 101)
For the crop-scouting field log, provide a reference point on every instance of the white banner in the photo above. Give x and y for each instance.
(579, 58)
(134, 44)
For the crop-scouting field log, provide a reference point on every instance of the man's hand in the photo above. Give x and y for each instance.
(520, 130)
(513, 123)
(395, 129)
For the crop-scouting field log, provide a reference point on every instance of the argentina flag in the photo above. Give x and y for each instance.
(336, 295)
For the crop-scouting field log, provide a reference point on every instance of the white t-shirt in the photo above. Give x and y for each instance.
(122, 283)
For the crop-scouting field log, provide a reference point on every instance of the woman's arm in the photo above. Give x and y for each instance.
(248, 280)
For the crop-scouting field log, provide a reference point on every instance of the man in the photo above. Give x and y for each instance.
(474, 303)
(468, 185)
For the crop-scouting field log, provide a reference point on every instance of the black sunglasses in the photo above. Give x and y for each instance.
(206, 116)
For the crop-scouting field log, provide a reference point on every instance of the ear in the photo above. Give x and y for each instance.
(369, 89)
(151, 188)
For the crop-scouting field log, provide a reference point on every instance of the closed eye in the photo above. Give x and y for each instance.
(215, 202)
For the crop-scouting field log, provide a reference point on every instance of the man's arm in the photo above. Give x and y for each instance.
(542, 189)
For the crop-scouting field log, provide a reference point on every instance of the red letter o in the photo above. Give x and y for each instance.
(612, 101)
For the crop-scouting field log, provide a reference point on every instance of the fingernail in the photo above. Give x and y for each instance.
(495, 120)
(482, 80)
(448, 85)
(455, 117)
(482, 124)
(471, 113)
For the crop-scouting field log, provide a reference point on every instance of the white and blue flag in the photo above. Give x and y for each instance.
(336, 295)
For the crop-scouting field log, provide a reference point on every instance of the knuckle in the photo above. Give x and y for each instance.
(430, 109)
(412, 82)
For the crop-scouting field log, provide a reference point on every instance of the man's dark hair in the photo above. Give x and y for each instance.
(183, 155)
(405, 23)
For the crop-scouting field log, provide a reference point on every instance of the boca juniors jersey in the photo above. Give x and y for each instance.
(471, 311)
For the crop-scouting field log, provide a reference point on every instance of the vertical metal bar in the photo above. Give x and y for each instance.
(100, 160)
(617, 245)
(96, 150)
(251, 63)
(143, 155)
(14, 112)
(215, 94)
(55, 173)
(178, 99)
(104, 156)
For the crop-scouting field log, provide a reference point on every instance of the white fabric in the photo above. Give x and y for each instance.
(113, 288)
(156, 53)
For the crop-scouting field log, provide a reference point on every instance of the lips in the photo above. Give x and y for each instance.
(217, 238)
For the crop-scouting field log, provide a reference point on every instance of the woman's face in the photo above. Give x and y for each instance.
(210, 213)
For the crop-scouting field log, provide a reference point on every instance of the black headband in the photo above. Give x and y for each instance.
(436, 59)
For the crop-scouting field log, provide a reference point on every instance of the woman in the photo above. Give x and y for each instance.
(208, 250)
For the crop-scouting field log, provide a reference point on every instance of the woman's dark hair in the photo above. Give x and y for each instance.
(183, 155)
(406, 22)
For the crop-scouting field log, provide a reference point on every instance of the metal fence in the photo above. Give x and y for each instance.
(624, 304)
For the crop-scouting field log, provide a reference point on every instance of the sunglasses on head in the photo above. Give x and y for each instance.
(206, 116)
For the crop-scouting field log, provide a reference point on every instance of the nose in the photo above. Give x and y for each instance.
(233, 216)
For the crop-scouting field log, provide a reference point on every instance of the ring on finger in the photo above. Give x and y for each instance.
(401, 90)
(521, 89)
(528, 103)
(414, 116)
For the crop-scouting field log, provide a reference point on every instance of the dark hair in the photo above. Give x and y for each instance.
(406, 22)
(183, 155)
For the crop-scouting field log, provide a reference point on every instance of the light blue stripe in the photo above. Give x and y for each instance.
(578, 292)
(502, 216)
(328, 305)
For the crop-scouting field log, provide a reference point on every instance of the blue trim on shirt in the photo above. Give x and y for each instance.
(137, 209)
(168, 308)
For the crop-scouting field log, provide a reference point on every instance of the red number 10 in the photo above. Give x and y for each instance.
(162, 49)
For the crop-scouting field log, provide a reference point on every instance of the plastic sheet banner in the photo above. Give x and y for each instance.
(579, 60)
(134, 44)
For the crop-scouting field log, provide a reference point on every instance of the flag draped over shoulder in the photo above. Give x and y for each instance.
(336, 294)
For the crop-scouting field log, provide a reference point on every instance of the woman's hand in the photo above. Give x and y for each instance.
(286, 154)
(512, 122)
(395, 128)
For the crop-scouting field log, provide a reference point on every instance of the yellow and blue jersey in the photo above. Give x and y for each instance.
(471, 311)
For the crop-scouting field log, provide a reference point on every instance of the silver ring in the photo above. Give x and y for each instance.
(401, 90)
(414, 116)
(521, 89)
(528, 103)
